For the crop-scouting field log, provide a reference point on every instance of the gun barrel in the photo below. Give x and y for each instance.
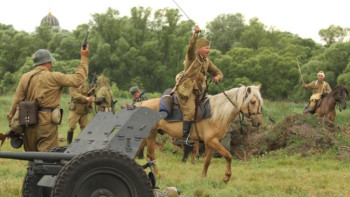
(31, 156)
(85, 40)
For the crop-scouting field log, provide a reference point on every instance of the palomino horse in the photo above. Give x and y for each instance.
(224, 110)
(326, 108)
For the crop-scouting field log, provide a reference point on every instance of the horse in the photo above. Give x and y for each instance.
(224, 108)
(326, 108)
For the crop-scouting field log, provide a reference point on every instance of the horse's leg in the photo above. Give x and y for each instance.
(142, 146)
(151, 141)
(207, 159)
(195, 152)
(331, 115)
(216, 145)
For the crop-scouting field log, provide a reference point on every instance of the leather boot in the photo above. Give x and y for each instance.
(186, 130)
(69, 137)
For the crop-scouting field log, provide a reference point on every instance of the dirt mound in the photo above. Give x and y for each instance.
(297, 133)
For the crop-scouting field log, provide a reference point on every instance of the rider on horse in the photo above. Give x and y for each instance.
(319, 87)
(193, 81)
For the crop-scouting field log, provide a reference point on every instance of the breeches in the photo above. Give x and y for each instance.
(74, 118)
(315, 97)
(188, 107)
(41, 138)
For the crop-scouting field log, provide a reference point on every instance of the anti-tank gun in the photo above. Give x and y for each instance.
(99, 162)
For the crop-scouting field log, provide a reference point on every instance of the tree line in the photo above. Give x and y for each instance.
(148, 48)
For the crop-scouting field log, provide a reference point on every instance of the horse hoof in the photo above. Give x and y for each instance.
(226, 179)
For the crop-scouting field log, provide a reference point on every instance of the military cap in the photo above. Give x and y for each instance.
(202, 42)
(42, 56)
(321, 73)
(133, 90)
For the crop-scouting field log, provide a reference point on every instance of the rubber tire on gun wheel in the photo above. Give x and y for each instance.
(30, 187)
(102, 173)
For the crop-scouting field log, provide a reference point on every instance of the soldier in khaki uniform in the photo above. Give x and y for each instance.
(104, 97)
(192, 83)
(46, 88)
(79, 108)
(319, 87)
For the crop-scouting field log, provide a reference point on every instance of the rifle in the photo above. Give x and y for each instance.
(92, 85)
(85, 40)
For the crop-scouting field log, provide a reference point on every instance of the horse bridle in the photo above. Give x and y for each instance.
(240, 111)
(252, 114)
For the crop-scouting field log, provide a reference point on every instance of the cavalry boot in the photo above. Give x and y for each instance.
(312, 106)
(69, 137)
(307, 108)
(186, 131)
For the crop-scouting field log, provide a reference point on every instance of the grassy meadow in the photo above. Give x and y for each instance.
(273, 174)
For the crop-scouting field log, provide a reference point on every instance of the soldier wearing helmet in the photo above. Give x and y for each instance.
(137, 96)
(45, 87)
(318, 87)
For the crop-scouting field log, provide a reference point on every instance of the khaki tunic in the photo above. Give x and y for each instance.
(104, 99)
(318, 88)
(46, 88)
(193, 83)
(79, 109)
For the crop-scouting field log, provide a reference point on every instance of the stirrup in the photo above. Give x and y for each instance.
(187, 141)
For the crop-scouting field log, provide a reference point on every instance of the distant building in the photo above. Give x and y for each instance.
(51, 20)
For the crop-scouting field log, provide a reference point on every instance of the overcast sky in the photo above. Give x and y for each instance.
(302, 17)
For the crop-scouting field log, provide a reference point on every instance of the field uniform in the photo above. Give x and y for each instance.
(142, 97)
(104, 97)
(318, 88)
(45, 87)
(193, 83)
(78, 109)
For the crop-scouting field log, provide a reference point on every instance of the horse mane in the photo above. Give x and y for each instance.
(222, 109)
(339, 88)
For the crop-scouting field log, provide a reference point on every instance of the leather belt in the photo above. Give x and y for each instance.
(197, 79)
(45, 109)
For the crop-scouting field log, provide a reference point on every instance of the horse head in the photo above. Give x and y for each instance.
(252, 106)
(340, 94)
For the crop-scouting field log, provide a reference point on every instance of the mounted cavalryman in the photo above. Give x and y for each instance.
(192, 84)
(319, 87)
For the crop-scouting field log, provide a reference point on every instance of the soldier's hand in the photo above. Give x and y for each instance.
(86, 52)
(304, 85)
(216, 79)
(197, 30)
(89, 100)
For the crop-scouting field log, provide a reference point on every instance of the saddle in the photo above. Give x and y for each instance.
(169, 103)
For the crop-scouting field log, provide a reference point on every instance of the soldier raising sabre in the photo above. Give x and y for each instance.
(192, 84)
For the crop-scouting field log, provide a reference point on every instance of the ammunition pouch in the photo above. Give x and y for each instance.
(28, 113)
(71, 105)
(16, 127)
(81, 108)
(56, 116)
(185, 88)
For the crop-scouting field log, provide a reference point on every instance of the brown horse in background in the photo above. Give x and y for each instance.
(246, 100)
(326, 108)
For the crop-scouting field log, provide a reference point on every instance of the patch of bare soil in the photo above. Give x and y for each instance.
(304, 134)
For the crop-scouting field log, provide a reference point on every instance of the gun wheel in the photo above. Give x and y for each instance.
(30, 187)
(102, 173)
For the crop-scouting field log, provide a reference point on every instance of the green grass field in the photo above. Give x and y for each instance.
(274, 174)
